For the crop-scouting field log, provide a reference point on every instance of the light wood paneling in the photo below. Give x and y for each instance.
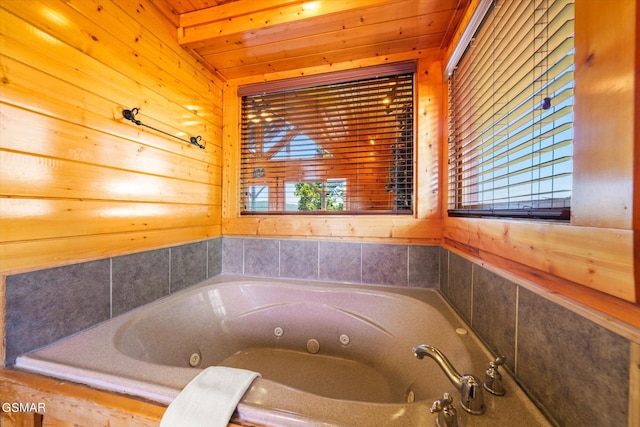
(599, 258)
(397, 229)
(605, 113)
(35, 176)
(67, 405)
(422, 227)
(78, 181)
(598, 248)
(19, 419)
(25, 133)
(429, 133)
(70, 81)
(75, 404)
(59, 218)
(22, 256)
(248, 38)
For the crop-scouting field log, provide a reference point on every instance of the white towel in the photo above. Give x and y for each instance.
(209, 399)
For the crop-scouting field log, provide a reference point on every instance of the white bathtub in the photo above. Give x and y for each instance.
(329, 354)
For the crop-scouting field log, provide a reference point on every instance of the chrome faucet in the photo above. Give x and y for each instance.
(470, 387)
(493, 378)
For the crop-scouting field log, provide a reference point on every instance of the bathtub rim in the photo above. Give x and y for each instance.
(251, 412)
(30, 362)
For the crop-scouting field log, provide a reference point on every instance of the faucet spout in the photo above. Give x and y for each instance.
(428, 350)
(469, 386)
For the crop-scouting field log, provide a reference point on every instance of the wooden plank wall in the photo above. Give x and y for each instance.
(595, 250)
(77, 181)
(425, 226)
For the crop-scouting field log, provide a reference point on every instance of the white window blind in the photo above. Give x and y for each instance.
(336, 148)
(511, 113)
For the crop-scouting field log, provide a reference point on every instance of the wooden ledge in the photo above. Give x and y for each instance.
(620, 310)
(52, 402)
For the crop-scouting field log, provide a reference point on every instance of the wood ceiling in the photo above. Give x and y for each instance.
(242, 38)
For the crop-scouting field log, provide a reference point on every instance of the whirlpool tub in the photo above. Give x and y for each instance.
(328, 354)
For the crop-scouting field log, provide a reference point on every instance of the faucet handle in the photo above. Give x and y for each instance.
(447, 416)
(493, 378)
(498, 361)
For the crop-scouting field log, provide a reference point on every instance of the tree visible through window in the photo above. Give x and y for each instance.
(315, 196)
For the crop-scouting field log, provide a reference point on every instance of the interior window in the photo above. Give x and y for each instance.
(335, 148)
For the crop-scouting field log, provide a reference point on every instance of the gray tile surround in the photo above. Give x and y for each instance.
(424, 266)
(459, 285)
(385, 264)
(563, 354)
(233, 256)
(262, 257)
(371, 263)
(340, 261)
(494, 312)
(214, 260)
(46, 305)
(188, 265)
(299, 259)
(139, 279)
(568, 364)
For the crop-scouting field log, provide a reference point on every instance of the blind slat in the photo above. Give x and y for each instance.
(339, 147)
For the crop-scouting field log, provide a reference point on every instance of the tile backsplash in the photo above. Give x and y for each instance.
(577, 368)
(46, 305)
(563, 354)
(371, 263)
(572, 366)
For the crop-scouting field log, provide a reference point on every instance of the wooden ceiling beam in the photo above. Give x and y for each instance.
(353, 28)
(392, 51)
(243, 17)
(230, 10)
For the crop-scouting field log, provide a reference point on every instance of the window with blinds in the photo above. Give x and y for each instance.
(511, 114)
(334, 148)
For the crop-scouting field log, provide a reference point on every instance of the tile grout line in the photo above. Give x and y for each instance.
(515, 332)
(473, 266)
(361, 262)
(318, 271)
(408, 269)
(110, 288)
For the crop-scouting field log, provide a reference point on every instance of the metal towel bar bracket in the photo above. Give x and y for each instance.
(131, 115)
